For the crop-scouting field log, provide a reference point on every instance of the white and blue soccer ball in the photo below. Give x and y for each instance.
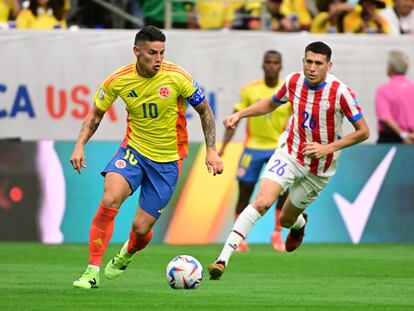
(184, 272)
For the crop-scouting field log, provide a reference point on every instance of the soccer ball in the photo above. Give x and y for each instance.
(184, 272)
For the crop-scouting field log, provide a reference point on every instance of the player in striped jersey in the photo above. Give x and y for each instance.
(156, 141)
(262, 134)
(307, 153)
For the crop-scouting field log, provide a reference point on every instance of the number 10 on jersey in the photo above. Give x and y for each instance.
(150, 110)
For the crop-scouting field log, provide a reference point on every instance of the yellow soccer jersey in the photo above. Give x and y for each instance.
(262, 132)
(156, 124)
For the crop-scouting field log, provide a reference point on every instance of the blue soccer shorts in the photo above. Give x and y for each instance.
(157, 180)
(251, 164)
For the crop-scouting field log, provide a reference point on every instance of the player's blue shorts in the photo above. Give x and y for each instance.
(251, 164)
(157, 180)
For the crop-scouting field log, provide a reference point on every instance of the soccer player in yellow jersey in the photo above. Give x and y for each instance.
(262, 134)
(156, 141)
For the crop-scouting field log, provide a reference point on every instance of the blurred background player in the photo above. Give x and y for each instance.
(151, 154)
(306, 159)
(262, 134)
(394, 103)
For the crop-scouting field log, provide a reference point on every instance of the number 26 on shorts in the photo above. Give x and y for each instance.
(278, 167)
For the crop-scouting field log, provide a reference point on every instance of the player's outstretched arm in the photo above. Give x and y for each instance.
(262, 107)
(259, 108)
(228, 135)
(213, 161)
(89, 126)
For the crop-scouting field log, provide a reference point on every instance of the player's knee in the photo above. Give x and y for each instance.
(108, 200)
(262, 204)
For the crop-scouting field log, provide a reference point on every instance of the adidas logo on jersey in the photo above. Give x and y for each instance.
(132, 94)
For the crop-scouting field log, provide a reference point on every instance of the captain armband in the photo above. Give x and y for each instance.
(197, 97)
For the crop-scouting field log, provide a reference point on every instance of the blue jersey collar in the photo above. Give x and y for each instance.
(315, 88)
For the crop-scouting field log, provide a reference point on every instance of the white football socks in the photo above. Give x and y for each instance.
(299, 223)
(96, 268)
(241, 229)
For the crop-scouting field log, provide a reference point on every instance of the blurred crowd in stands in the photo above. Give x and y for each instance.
(393, 17)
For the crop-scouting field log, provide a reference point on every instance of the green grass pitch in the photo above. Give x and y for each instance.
(315, 277)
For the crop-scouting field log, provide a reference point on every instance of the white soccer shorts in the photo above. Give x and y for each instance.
(304, 186)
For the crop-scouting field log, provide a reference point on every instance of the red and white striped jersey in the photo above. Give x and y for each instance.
(318, 113)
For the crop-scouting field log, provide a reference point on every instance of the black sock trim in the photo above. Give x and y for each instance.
(237, 232)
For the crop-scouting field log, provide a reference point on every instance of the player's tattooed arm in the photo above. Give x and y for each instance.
(213, 161)
(207, 122)
(90, 124)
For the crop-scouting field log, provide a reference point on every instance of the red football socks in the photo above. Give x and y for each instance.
(278, 226)
(102, 228)
(135, 243)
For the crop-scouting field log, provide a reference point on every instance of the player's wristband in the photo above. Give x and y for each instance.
(404, 135)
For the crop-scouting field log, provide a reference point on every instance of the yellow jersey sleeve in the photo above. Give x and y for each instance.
(188, 88)
(108, 91)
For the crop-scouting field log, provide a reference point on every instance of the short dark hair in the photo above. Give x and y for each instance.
(319, 47)
(149, 33)
(272, 52)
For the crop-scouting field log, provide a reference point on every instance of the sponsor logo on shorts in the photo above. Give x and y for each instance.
(164, 91)
(241, 172)
(120, 163)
